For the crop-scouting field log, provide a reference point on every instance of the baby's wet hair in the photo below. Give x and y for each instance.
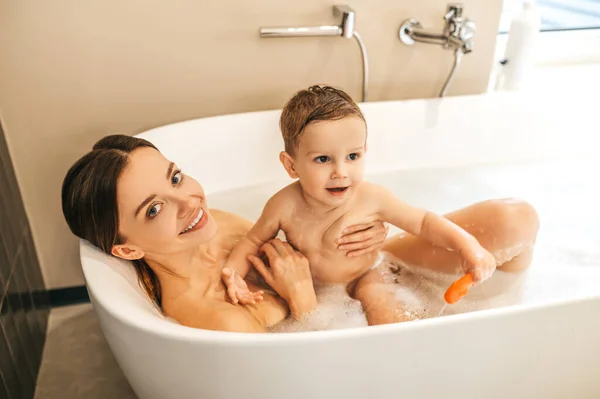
(317, 103)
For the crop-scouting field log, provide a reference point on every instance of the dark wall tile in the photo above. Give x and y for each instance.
(3, 387)
(7, 173)
(20, 340)
(5, 266)
(4, 272)
(19, 318)
(13, 363)
(23, 299)
(7, 364)
(41, 300)
(2, 289)
(33, 271)
(8, 235)
(12, 213)
(38, 330)
(31, 328)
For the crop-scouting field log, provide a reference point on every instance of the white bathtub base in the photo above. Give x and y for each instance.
(539, 352)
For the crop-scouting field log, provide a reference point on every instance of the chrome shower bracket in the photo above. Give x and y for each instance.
(345, 29)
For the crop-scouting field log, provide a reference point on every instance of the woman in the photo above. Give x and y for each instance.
(130, 201)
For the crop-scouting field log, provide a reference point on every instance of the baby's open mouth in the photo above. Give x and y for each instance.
(337, 190)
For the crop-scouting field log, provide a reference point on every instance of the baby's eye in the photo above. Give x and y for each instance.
(177, 178)
(322, 159)
(153, 211)
(354, 156)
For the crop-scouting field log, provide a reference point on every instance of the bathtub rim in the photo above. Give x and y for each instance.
(435, 100)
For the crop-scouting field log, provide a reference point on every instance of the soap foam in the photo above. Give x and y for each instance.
(421, 291)
(335, 310)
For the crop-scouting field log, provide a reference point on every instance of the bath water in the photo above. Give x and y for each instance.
(441, 312)
(566, 260)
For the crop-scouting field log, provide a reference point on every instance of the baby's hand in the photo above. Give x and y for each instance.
(477, 261)
(237, 289)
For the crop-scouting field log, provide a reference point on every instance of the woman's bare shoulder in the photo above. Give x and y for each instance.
(195, 311)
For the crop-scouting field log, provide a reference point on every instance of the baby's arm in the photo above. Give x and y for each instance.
(438, 230)
(237, 265)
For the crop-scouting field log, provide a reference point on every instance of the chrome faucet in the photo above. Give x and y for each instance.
(345, 29)
(457, 35)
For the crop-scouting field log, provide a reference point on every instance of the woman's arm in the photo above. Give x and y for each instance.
(215, 315)
(288, 274)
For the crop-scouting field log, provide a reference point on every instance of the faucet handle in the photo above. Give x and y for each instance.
(467, 29)
(461, 31)
(453, 10)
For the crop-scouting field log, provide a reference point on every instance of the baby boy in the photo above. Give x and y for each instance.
(325, 136)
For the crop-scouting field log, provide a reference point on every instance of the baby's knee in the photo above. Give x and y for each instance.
(518, 216)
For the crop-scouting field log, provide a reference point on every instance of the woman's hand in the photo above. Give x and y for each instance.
(362, 238)
(289, 275)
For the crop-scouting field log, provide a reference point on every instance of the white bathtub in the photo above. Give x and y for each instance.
(431, 152)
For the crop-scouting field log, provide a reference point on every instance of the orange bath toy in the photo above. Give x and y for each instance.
(458, 289)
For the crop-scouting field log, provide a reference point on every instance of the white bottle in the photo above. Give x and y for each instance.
(521, 48)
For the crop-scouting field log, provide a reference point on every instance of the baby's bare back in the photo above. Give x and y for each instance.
(315, 234)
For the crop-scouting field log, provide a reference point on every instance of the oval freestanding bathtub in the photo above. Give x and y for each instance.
(441, 154)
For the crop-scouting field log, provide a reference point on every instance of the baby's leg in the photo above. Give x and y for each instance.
(376, 291)
(507, 228)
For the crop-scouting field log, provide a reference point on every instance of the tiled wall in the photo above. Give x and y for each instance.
(23, 300)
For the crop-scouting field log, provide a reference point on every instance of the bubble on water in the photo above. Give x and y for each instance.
(420, 296)
(420, 292)
(507, 254)
(335, 310)
(441, 312)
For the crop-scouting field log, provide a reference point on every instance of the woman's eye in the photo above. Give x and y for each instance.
(177, 178)
(353, 157)
(154, 210)
(322, 159)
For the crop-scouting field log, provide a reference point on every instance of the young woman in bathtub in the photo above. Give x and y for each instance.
(127, 199)
(130, 201)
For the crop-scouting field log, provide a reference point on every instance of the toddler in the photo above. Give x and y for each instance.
(325, 136)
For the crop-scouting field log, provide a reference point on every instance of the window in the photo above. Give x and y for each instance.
(570, 31)
(557, 14)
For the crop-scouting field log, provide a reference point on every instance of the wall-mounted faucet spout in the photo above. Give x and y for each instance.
(344, 29)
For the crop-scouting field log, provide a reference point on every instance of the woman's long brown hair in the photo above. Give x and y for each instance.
(89, 201)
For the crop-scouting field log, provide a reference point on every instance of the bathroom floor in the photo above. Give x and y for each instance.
(77, 362)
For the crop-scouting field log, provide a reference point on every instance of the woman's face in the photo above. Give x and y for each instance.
(161, 211)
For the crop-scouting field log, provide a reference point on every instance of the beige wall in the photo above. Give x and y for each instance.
(72, 71)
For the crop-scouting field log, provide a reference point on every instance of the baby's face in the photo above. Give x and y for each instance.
(329, 159)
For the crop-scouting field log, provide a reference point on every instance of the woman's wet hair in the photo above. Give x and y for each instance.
(89, 201)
